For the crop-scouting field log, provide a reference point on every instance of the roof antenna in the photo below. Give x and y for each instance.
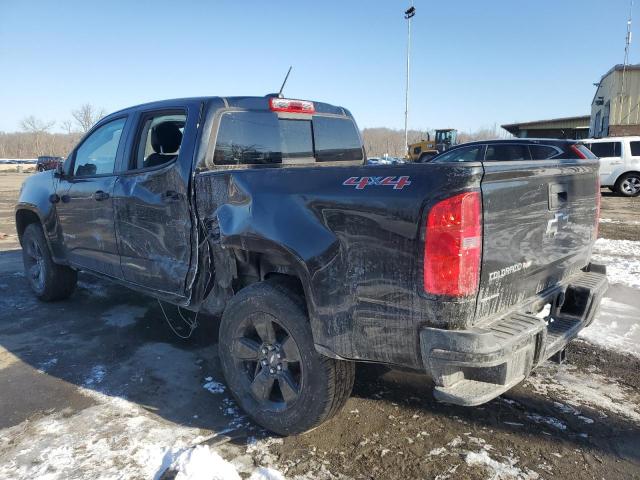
(285, 82)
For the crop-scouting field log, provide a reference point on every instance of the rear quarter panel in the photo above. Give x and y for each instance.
(358, 251)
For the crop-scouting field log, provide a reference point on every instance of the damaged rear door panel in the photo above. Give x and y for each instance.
(153, 214)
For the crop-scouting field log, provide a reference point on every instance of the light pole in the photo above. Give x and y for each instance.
(408, 15)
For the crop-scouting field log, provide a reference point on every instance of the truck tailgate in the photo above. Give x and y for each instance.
(539, 227)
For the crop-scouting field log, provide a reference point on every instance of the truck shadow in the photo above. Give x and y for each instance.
(115, 342)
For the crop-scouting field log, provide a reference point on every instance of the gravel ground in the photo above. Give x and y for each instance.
(98, 387)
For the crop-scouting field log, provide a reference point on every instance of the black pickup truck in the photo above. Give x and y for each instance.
(262, 211)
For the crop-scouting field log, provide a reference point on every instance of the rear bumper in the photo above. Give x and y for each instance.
(473, 366)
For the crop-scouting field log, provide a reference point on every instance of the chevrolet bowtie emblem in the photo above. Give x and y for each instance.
(554, 224)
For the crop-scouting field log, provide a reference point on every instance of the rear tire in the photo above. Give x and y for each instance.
(628, 185)
(48, 280)
(270, 363)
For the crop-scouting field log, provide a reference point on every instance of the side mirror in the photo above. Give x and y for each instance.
(59, 171)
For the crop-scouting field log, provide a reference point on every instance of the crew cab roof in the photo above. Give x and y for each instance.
(246, 102)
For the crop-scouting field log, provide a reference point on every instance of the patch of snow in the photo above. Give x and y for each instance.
(544, 313)
(45, 366)
(200, 463)
(260, 450)
(264, 473)
(499, 470)
(619, 222)
(514, 424)
(118, 439)
(568, 409)
(552, 421)
(230, 409)
(212, 386)
(481, 442)
(622, 258)
(438, 451)
(123, 315)
(578, 389)
(455, 442)
(615, 327)
(94, 289)
(448, 473)
(96, 376)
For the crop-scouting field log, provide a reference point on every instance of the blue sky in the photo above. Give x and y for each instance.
(474, 63)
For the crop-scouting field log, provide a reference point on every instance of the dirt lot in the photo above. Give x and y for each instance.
(97, 386)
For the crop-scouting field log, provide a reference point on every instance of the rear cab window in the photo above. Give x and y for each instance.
(264, 138)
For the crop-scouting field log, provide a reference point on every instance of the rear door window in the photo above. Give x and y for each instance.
(635, 149)
(542, 152)
(606, 149)
(159, 139)
(262, 138)
(506, 152)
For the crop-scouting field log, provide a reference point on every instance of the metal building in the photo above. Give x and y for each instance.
(615, 109)
(567, 127)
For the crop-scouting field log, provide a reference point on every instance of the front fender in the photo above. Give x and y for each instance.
(34, 198)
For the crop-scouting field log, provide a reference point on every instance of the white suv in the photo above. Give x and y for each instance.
(619, 163)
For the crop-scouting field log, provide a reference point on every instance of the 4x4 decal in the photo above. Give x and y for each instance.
(398, 183)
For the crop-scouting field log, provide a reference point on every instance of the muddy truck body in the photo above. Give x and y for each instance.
(261, 211)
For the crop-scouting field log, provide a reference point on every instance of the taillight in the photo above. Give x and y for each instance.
(453, 246)
(291, 106)
(598, 199)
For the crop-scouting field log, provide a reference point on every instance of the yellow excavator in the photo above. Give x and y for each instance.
(445, 138)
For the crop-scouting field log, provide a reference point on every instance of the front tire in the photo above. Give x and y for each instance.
(48, 280)
(628, 185)
(270, 363)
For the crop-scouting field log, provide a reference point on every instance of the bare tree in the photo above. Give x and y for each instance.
(35, 125)
(67, 127)
(87, 115)
(38, 130)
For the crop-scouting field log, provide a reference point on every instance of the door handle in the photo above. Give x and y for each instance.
(100, 195)
(171, 196)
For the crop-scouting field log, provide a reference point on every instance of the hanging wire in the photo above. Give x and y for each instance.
(192, 324)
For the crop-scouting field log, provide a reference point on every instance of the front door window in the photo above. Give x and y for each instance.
(97, 154)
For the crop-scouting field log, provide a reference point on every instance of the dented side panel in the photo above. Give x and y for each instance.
(355, 244)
